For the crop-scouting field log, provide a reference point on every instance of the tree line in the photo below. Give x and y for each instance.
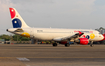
(13, 38)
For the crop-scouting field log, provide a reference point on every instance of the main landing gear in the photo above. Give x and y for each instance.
(67, 45)
(54, 44)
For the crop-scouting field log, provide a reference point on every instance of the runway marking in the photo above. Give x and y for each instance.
(27, 65)
(26, 58)
(23, 59)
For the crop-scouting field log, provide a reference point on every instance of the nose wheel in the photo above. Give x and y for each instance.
(91, 44)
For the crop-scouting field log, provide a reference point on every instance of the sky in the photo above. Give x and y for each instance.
(70, 14)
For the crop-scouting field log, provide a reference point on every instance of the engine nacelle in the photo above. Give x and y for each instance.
(82, 41)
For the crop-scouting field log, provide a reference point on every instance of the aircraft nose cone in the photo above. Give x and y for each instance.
(103, 36)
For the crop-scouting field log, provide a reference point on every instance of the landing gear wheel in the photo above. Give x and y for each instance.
(91, 45)
(67, 45)
(54, 44)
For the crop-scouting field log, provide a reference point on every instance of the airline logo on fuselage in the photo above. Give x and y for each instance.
(91, 36)
(84, 31)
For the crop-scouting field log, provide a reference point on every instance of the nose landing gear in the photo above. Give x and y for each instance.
(91, 44)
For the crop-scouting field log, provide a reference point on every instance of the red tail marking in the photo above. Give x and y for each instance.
(12, 13)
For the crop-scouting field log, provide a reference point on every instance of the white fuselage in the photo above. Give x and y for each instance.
(51, 33)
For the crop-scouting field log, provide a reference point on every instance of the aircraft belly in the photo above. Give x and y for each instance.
(49, 36)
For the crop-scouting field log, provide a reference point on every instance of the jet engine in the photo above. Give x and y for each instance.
(82, 41)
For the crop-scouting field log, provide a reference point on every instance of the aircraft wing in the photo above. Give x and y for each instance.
(75, 36)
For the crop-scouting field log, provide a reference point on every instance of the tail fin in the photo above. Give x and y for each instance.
(17, 21)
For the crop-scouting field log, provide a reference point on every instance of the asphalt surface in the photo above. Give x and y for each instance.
(47, 55)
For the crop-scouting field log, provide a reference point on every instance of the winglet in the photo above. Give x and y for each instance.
(12, 13)
(80, 33)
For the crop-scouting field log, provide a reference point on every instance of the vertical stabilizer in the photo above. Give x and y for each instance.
(17, 20)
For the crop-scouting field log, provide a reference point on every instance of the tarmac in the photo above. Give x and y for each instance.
(47, 55)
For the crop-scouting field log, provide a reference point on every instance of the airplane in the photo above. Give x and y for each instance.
(64, 36)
